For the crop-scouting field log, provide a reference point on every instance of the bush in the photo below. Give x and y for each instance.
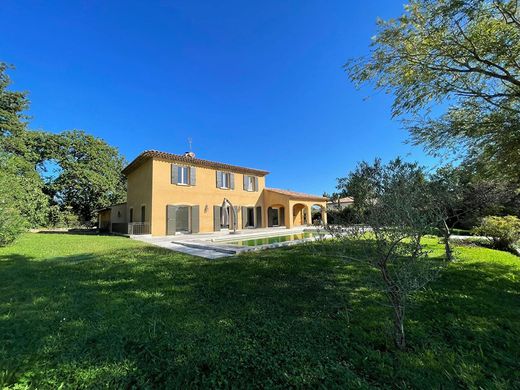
(63, 217)
(11, 224)
(504, 231)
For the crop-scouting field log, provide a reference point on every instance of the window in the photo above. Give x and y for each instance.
(250, 182)
(183, 175)
(226, 180)
(143, 213)
(131, 215)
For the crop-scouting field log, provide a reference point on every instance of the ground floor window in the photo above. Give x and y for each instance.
(182, 219)
(275, 216)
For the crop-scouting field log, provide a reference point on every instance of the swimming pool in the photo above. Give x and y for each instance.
(270, 240)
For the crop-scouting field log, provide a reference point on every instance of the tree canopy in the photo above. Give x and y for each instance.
(453, 67)
(89, 174)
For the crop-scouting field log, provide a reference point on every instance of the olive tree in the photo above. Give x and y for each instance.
(393, 200)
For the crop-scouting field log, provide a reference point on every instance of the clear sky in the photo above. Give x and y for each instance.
(253, 83)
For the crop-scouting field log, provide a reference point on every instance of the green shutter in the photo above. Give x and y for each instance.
(195, 224)
(175, 174)
(216, 218)
(244, 217)
(232, 181)
(245, 182)
(171, 212)
(256, 183)
(219, 179)
(258, 222)
(193, 176)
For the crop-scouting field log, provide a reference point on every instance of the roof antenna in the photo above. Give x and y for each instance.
(189, 153)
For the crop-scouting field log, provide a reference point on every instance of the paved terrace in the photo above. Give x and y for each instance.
(214, 246)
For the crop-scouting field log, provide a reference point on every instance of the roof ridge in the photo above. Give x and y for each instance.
(188, 159)
(295, 193)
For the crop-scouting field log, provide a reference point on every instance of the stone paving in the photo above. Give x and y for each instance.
(213, 245)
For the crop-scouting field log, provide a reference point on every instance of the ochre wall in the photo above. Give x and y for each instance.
(204, 193)
(150, 185)
(140, 188)
(119, 213)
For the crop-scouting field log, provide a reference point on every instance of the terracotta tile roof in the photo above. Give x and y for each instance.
(297, 195)
(190, 161)
(346, 199)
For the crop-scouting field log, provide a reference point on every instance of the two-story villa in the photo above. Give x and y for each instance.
(170, 193)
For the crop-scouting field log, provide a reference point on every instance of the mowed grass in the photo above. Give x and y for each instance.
(81, 311)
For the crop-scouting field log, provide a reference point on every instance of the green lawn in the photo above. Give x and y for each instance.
(97, 311)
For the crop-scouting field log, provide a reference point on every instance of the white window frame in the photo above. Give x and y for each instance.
(226, 180)
(183, 175)
(250, 183)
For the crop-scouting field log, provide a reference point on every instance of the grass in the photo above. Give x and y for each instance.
(98, 311)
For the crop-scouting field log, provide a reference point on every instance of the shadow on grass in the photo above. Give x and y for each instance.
(147, 317)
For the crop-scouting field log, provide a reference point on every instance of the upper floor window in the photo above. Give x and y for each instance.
(225, 180)
(250, 183)
(183, 175)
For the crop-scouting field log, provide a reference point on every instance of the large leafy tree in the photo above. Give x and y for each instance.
(90, 173)
(23, 202)
(453, 67)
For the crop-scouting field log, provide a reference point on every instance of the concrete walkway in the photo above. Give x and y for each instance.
(215, 245)
(167, 243)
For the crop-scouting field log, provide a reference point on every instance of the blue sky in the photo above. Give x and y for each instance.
(256, 83)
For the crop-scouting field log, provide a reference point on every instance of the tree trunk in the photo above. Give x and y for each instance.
(395, 298)
(446, 238)
(400, 339)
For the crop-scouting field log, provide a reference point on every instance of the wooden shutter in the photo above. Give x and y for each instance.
(171, 212)
(175, 174)
(244, 217)
(195, 224)
(232, 181)
(258, 222)
(256, 183)
(234, 218)
(216, 218)
(219, 179)
(245, 182)
(193, 176)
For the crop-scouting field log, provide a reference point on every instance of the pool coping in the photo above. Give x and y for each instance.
(223, 245)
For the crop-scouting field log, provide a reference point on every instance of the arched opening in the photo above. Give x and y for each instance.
(318, 214)
(300, 216)
(276, 216)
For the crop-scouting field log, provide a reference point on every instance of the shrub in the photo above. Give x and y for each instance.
(12, 224)
(63, 217)
(504, 231)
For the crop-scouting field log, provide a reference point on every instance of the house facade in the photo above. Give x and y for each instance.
(170, 194)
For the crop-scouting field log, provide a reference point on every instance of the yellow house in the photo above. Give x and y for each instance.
(170, 193)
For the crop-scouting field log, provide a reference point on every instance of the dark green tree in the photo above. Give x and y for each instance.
(90, 176)
(453, 67)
